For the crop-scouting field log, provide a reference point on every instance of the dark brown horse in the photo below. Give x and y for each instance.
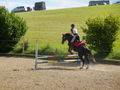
(84, 54)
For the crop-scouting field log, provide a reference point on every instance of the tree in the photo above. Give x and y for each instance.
(12, 28)
(101, 33)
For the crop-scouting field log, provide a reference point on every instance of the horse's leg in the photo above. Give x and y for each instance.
(81, 57)
(83, 62)
(70, 50)
(87, 61)
(91, 56)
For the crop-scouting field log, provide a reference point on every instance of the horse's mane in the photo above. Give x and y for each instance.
(69, 34)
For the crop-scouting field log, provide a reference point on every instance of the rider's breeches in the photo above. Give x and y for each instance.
(75, 37)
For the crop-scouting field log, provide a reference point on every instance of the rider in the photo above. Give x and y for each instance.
(75, 36)
(75, 33)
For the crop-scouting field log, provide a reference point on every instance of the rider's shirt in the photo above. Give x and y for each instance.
(75, 34)
(74, 31)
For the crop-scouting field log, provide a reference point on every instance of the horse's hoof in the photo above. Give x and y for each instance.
(81, 67)
(87, 67)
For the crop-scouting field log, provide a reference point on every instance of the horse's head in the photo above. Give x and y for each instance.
(65, 37)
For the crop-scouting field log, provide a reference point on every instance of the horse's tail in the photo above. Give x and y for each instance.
(91, 56)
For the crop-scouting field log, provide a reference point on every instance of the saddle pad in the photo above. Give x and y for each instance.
(78, 44)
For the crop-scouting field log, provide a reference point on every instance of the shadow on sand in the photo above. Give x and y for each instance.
(109, 62)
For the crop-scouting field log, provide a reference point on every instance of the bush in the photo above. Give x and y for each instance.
(12, 28)
(101, 33)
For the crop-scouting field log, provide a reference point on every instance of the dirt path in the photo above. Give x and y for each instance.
(16, 74)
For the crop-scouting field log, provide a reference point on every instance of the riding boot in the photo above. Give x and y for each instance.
(71, 47)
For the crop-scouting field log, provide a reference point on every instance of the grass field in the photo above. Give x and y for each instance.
(48, 26)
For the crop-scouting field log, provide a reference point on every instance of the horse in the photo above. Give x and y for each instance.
(84, 53)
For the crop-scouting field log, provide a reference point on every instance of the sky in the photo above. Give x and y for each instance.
(50, 4)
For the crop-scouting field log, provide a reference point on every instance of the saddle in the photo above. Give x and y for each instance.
(76, 44)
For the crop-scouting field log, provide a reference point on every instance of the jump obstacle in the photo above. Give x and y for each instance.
(38, 61)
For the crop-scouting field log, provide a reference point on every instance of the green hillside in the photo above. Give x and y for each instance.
(47, 26)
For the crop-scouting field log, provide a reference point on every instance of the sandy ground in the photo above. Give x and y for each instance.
(16, 74)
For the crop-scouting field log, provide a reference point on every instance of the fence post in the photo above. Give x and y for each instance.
(36, 54)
